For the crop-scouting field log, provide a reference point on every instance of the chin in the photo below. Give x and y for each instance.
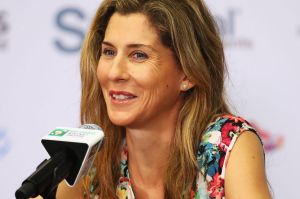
(120, 120)
(119, 123)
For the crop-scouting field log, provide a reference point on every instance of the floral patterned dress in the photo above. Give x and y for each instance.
(212, 156)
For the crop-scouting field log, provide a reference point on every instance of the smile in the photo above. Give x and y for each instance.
(121, 96)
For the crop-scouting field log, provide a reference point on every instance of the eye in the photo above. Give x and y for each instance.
(108, 52)
(139, 56)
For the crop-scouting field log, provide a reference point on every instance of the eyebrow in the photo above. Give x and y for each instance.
(132, 45)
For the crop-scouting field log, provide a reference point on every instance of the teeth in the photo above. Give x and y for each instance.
(121, 97)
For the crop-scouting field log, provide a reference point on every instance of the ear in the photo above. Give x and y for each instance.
(186, 85)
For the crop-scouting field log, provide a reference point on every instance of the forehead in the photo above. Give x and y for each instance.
(130, 28)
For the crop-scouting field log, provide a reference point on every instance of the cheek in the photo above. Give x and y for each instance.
(159, 82)
(147, 76)
(101, 73)
(103, 80)
(157, 87)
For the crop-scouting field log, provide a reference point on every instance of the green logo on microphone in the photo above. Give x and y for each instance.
(58, 132)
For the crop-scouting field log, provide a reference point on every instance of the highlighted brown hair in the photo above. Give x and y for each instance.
(188, 28)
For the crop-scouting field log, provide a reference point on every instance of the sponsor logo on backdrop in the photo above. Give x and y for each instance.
(228, 28)
(272, 142)
(4, 28)
(68, 22)
(227, 24)
(5, 143)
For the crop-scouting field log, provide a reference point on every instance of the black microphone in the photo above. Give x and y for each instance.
(72, 152)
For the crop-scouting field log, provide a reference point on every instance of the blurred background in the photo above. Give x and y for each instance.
(40, 84)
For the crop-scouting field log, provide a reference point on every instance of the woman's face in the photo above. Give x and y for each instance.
(139, 77)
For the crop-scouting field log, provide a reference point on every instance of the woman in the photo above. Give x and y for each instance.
(153, 79)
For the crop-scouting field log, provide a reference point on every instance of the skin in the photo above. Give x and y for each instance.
(140, 64)
(245, 172)
(134, 61)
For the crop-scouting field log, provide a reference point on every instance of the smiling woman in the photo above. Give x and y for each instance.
(137, 73)
(153, 79)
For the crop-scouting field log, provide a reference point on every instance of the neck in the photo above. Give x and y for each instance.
(149, 146)
(149, 150)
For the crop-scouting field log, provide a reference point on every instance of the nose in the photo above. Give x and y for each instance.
(119, 69)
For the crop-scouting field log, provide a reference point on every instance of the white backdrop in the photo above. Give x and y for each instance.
(40, 85)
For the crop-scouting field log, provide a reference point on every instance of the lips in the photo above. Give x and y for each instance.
(121, 96)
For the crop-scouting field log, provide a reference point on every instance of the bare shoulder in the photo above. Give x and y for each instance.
(245, 172)
(66, 192)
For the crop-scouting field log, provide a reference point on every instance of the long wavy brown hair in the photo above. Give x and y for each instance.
(189, 30)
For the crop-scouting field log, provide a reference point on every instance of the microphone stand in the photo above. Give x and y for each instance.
(51, 194)
(44, 181)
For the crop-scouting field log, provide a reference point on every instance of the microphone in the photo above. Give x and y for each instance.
(72, 152)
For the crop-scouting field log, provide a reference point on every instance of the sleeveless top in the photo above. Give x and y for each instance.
(213, 152)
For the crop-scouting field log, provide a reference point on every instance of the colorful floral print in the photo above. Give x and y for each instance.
(214, 150)
(212, 155)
